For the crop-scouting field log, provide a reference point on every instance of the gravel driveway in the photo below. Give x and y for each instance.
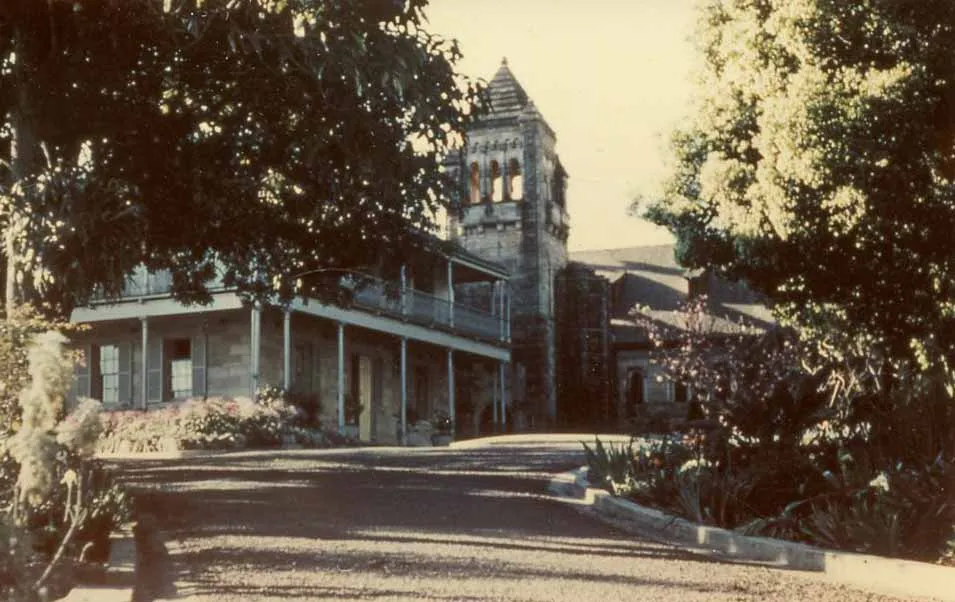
(425, 524)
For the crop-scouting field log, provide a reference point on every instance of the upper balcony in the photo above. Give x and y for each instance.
(483, 316)
(387, 298)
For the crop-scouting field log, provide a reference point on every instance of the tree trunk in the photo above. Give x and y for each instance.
(23, 162)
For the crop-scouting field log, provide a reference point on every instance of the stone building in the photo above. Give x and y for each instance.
(394, 350)
(504, 329)
(513, 212)
(579, 359)
(584, 344)
(646, 283)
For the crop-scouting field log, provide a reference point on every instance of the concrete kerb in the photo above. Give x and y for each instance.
(529, 439)
(875, 573)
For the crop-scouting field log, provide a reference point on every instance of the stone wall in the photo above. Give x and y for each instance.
(657, 389)
(226, 335)
(228, 349)
(529, 238)
(583, 342)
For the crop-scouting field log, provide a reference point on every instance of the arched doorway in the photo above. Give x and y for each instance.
(635, 391)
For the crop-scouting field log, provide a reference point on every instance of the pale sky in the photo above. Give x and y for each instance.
(611, 77)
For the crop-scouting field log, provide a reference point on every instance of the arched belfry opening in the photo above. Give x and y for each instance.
(474, 184)
(515, 181)
(497, 183)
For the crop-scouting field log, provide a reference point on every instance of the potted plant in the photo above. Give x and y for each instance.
(441, 423)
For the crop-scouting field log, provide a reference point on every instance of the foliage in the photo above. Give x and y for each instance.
(903, 511)
(271, 419)
(609, 465)
(211, 423)
(75, 522)
(42, 403)
(308, 406)
(644, 469)
(59, 505)
(441, 421)
(821, 141)
(16, 331)
(822, 138)
(17, 563)
(312, 127)
(793, 444)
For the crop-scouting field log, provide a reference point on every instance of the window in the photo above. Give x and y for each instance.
(109, 373)
(515, 181)
(497, 194)
(179, 368)
(474, 185)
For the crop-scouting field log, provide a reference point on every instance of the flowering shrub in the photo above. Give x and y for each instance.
(137, 431)
(213, 423)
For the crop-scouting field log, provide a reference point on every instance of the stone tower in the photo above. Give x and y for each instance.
(513, 212)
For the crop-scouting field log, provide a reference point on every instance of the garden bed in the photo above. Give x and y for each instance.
(900, 514)
(218, 423)
(872, 573)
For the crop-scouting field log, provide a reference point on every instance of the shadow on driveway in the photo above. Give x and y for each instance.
(383, 523)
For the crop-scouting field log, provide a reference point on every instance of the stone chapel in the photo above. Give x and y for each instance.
(579, 359)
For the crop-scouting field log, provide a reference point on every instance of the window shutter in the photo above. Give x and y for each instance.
(125, 374)
(154, 370)
(95, 376)
(199, 366)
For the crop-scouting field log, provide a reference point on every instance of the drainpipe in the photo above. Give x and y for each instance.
(144, 378)
(450, 292)
(341, 378)
(287, 349)
(404, 390)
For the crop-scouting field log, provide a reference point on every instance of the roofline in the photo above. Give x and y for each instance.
(610, 249)
(460, 255)
(451, 250)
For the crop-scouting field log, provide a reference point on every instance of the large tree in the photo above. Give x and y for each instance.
(269, 136)
(820, 159)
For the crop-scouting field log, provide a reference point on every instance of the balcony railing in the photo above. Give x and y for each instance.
(370, 294)
(427, 310)
(145, 284)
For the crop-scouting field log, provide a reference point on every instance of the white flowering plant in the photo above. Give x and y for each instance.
(60, 506)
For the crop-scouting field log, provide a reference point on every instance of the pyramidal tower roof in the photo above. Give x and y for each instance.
(507, 96)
